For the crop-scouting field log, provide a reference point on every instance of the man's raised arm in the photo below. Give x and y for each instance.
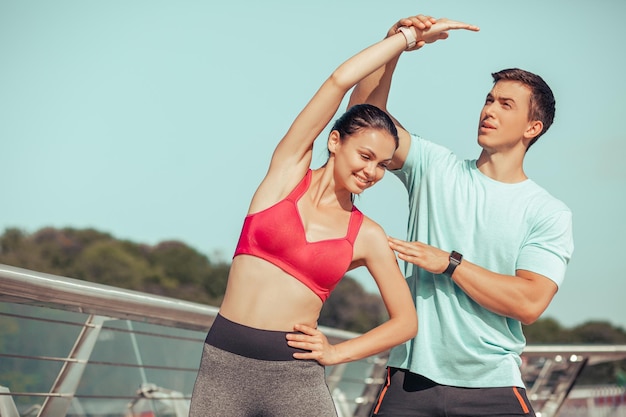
(374, 89)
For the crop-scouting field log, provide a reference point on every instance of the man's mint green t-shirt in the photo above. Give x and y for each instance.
(499, 226)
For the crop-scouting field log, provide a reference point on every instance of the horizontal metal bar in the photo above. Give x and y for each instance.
(104, 327)
(115, 364)
(540, 350)
(23, 286)
(92, 396)
(594, 353)
(30, 287)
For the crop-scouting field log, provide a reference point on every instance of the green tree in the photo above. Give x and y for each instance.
(110, 263)
(195, 277)
(350, 307)
(215, 285)
(546, 331)
(19, 249)
(598, 332)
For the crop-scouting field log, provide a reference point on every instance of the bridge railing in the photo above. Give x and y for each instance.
(71, 347)
(75, 348)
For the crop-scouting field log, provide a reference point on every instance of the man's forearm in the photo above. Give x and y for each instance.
(523, 297)
(374, 89)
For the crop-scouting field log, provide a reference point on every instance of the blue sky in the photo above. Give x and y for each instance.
(155, 120)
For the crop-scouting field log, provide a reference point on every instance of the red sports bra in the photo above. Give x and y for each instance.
(277, 235)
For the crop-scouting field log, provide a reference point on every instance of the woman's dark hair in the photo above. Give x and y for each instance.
(365, 116)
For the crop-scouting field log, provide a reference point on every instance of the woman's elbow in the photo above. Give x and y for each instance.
(410, 328)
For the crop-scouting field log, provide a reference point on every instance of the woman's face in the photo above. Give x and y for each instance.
(362, 158)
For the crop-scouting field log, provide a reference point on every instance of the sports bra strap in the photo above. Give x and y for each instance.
(301, 188)
(356, 218)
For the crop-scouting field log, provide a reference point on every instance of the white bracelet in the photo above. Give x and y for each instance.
(408, 34)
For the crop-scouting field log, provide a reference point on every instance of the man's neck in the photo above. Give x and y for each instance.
(503, 168)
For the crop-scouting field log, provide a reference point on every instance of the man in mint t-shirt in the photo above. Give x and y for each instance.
(487, 250)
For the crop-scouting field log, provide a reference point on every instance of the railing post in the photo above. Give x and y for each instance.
(66, 383)
(372, 386)
(563, 387)
(7, 406)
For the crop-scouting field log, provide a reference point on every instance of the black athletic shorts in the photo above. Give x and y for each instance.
(406, 394)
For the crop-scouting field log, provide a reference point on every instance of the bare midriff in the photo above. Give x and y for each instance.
(261, 295)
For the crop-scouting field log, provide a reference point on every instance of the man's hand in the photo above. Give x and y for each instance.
(425, 256)
(429, 30)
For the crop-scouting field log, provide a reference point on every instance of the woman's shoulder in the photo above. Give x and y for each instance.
(371, 232)
(372, 246)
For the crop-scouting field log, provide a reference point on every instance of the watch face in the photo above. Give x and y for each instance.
(456, 256)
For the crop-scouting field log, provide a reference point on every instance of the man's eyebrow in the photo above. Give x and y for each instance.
(500, 98)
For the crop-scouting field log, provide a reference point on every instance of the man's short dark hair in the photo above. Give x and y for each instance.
(542, 102)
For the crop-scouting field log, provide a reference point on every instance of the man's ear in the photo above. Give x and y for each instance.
(533, 130)
(334, 140)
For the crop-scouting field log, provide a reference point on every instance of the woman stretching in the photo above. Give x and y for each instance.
(263, 355)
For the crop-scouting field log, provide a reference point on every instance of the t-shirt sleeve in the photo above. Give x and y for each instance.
(422, 153)
(549, 247)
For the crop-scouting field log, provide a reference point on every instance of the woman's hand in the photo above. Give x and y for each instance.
(420, 22)
(316, 342)
(428, 29)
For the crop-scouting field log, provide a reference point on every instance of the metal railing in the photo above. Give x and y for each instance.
(129, 350)
(74, 348)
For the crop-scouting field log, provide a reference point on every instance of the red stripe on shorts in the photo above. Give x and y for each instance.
(383, 391)
(521, 400)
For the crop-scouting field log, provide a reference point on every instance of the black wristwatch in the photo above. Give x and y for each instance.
(455, 260)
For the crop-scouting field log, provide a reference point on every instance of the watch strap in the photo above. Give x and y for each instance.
(455, 260)
(411, 41)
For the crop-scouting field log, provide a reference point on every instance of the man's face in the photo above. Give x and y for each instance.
(504, 117)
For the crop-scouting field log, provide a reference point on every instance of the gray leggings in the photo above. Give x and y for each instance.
(232, 385)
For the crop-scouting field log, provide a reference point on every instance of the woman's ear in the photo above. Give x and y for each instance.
(334, 140)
